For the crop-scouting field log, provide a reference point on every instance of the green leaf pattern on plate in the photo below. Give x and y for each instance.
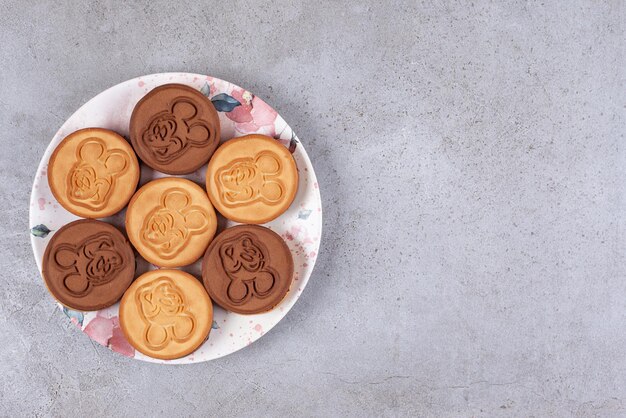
(40, 231)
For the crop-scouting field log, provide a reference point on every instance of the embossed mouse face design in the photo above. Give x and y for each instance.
(242, 253)
(94, 173)
(168, 227)
(162, 308)
(171, 133)
(245, 262)
(93, 262)
(247, 180)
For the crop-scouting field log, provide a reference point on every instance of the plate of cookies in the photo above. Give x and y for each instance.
(175, 218)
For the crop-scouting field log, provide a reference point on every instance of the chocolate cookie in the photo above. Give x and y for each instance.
(166, 314)
(247, 269)
(88, 265)
(252, 179)
(93, 173)
(174, 129)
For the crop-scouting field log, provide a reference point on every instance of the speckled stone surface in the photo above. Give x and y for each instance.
(472, 164)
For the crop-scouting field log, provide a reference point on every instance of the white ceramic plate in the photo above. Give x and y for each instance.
(240, 113)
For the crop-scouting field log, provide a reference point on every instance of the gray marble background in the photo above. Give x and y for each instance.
(472, 166)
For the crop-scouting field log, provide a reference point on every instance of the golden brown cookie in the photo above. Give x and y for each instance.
(175, 129)
(93, 173)
(252, 179)
(170, 221)
(166, 314)
(247, 269)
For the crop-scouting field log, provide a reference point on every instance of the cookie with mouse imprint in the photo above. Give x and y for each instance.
(252, 179)
(166, 314)
(88, 265)
(93, 173)
(174, 129)
(170, 221)
(247, 269)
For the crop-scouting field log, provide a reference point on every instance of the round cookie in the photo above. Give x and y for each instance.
(88, 265)
(166, 314)
(252, 179)
(247, 269)
(170, 221)
(93, 173)
(174, 129)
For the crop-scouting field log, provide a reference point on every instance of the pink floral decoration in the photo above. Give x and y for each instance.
(107, 331)
(254, 116)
